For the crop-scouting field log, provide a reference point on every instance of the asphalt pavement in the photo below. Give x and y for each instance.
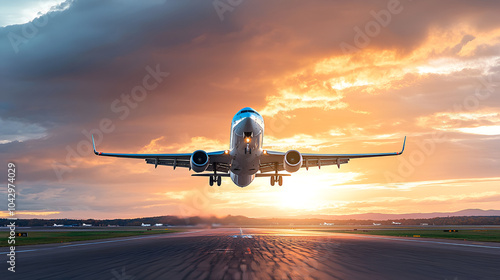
(257, 254)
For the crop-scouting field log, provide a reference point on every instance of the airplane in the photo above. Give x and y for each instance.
(56, 225)
(375, 224)
(246, 156)
(145, 225)
(241, 235)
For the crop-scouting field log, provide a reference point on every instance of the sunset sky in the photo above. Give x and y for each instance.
(327, 76)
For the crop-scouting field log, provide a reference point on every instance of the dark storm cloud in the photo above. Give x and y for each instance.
(73, 60)
(86, 56)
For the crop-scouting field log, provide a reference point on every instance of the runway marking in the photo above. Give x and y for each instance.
(434, 242)
(216, 251)
(100, 242)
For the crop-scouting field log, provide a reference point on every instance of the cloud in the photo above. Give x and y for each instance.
(24, 11)
(11, 130)
(432, 69)
(481, 122)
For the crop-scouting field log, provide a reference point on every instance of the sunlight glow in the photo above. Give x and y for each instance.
(5, 214)
(482, 130)
(301, 194)
(340, 84)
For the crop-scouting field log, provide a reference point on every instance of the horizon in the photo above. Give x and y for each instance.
(333, 216)
(168, 76)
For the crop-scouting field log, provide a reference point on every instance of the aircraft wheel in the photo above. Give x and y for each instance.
(272, 180)
(219, 180)
(211, 181)
(280, 180)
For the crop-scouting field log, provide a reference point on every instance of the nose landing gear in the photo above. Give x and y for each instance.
(248, 150)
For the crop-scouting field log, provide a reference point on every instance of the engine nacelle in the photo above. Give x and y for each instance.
(292, 161)
(199, 161)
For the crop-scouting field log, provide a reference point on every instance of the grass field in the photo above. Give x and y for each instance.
(46, 237)
(490, 235)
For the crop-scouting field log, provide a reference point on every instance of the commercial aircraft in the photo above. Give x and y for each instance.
(241, 235)
(246, 158)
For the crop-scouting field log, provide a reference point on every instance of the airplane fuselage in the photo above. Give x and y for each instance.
(247, 133)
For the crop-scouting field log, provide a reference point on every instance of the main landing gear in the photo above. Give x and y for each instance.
(215, 178)
(278, 179)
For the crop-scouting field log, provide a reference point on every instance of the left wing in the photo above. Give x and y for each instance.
(273, 161)
(219, 159)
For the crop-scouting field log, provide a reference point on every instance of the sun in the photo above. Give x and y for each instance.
(310, 190)
(301, 192)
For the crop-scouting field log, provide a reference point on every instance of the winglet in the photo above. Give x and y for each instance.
(93, 144)
(404, 142)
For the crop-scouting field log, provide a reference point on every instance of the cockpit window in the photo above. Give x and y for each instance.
(248, 111)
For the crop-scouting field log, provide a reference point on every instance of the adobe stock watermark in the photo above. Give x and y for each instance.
(11, 207)
(197, 203)
(316, 264)
(121, 107)
(223, 6)
(28, 31)
(381, 19)
(122, 275)
(426, 148)
(31, 29)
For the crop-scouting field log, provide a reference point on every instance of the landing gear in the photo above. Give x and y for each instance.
(248, 150)
(277, 179)
(214, 179)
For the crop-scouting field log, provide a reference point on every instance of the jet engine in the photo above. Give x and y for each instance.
(292, 161)
(199, 161)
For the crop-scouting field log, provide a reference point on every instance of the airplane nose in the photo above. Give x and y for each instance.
(247, 125)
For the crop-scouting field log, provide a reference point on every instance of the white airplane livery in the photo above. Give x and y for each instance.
(246, 158)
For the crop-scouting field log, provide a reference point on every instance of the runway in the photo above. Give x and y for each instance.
(269, 254)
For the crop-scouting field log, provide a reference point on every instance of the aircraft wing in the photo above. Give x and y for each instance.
(274, 160)
(221, 160)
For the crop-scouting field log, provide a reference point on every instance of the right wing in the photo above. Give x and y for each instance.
(273, 161)
(220, 159)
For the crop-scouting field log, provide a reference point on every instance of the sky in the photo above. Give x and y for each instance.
(327, 76)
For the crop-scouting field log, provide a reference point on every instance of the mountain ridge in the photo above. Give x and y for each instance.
(382, 216)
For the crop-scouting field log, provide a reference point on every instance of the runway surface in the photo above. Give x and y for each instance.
(269, 254)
